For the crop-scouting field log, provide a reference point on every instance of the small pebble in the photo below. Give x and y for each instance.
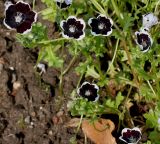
(27, 120)
(16, 85)
(50, 133)
(33, 114)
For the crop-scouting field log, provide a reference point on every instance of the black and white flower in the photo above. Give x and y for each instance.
(144, 40)
(131, 136)
(73, 28)
(149, 20)
(19, 16)
(63, 3)
(89, 91)
(101, 25)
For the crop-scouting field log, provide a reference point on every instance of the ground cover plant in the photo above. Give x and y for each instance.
(116, 44)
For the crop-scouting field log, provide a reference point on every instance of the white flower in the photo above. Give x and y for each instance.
(149, 20)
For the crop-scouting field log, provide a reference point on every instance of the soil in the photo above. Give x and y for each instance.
(32, 112)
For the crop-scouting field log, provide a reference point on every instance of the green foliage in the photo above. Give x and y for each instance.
(94, 109)
(152, 117)
(86, 108)
(32, 39)
(48, 54)
(127, 22)
(51, 11)
(123, 61)
(115, 103)
(155, 137)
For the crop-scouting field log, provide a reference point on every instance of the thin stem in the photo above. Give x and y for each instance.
(156, 7)
(79, 125)
(50, 41)
(118, 13)
(79, 80)
(125, 110)
(98, 6)
(85, 139)
(70, 65)
(151, 88)
(33, 3)
(130, 62)
(114, 56)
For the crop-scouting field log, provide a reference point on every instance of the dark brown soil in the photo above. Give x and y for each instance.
(35, 113)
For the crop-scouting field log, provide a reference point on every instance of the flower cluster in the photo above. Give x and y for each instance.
(143, 38)
(74, 28)
(90, 92)
(20, 17)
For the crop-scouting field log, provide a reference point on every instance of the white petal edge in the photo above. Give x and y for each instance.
(77, 19)
(68, 2)
(101, 15)
(35, 17)
(35, 20)
(84, 83)
(125, 130)
(93, 33)
(81, 37)
(81, 22)
(23, 3)
(143, 32)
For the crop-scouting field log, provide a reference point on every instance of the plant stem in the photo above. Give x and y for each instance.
(50, 41)
(156, 7)
(79, 125)
(151, 88)
(33, 3)
(118, 13)
(114, 56)
(85, 139)
(70, 65)
(130, 62)
(79, 80)
(98, 6)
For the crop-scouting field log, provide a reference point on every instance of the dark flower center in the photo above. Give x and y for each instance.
(72, 28)
(19, 17)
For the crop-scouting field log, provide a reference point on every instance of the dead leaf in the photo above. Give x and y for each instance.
(100, 132)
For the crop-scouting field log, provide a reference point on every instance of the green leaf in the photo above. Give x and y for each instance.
(31, 39)
(119, 99)
(127, 22)
(49, 55)
(151, 118)
(50, 12)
